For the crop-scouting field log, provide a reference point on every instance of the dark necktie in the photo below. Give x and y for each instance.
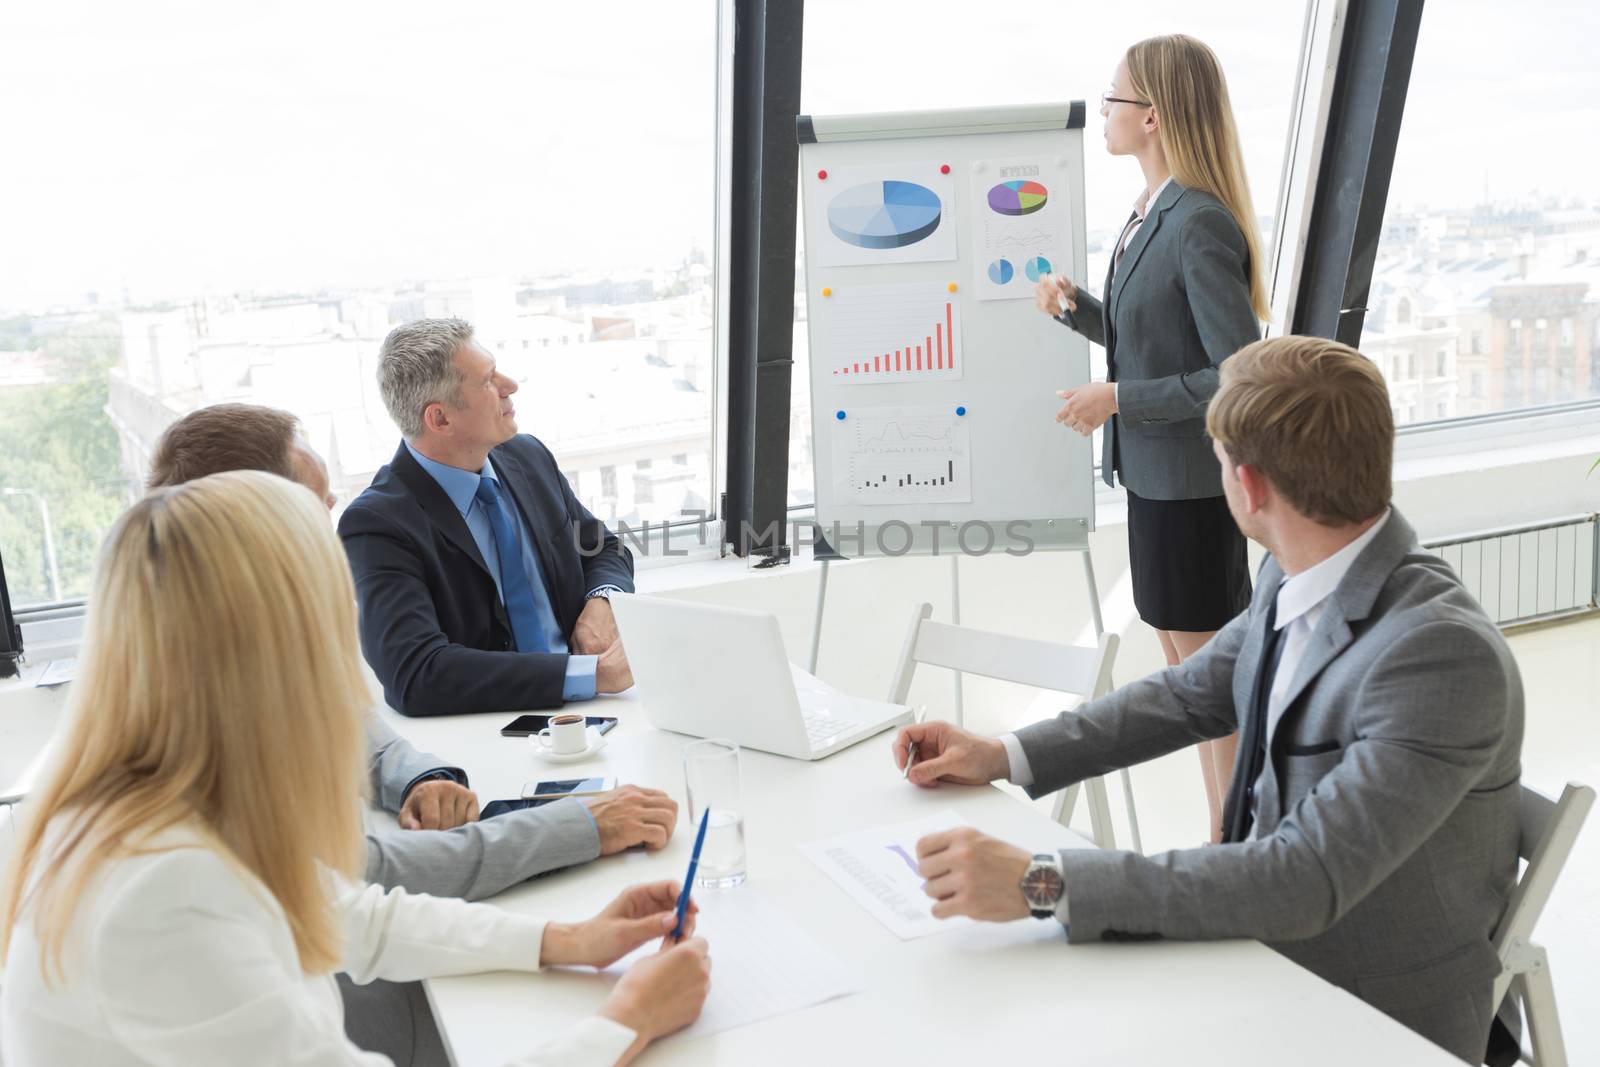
(1241, 794)
(514, 584)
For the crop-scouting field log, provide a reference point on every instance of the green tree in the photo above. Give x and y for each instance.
(57, 442)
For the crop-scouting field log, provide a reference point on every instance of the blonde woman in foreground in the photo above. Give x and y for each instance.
(170, 903)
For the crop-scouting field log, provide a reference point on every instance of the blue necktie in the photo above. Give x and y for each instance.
(514, 584)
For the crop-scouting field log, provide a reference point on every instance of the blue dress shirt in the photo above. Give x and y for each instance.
(461, 486)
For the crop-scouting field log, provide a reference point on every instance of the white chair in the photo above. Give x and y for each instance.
(1548, 830)
(1073, 669)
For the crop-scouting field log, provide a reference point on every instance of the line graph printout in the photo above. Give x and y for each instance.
(878, 869)
(894, 333)
(1021, 226)
(902, 455)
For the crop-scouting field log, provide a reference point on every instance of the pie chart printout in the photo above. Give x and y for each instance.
(1036, 268)
(1018, 197)
(884, 214)
(1001, 271)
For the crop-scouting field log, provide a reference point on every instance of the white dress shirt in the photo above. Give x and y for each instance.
(180, 957)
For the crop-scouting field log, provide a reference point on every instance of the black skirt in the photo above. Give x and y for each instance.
(1188, 561)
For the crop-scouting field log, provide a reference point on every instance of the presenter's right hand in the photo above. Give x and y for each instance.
(1054, 292)
(632, 816)
(947, 753)
(661, 994)
(611, 672)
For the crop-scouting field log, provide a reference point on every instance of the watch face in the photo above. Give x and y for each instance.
(1041, 885)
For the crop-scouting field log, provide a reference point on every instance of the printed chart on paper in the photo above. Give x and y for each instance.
(894, 333)
(878, 869)
(1021, 226)
(902, 455)
(904, 213)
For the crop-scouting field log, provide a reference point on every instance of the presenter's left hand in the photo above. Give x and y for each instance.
(1088, 406)
(643, 913)
(596, 630)
(438, 805)
(973, 874)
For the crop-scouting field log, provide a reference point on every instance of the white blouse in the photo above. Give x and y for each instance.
(181, 958)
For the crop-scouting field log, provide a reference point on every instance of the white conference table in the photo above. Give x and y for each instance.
(978, 994)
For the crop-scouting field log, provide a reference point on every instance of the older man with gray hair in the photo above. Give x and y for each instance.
(483, 582)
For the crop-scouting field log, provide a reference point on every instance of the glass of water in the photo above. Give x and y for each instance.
(711, 771)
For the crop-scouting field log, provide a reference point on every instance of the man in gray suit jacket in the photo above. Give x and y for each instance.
(1372, 819)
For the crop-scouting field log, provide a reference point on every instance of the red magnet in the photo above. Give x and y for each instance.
(945, 169)
(822, 175)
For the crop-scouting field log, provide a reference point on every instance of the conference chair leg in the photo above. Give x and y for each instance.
(1133, 816)
(1539, 1008)
(1100, 814)
(1066, 800)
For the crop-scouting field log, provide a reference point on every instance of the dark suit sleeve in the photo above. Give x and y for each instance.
(1214, 259)
(1087, 320)
(422, 671)
(606, 561)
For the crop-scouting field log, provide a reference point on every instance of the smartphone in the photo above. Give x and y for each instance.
(567, 787)
(526, 725)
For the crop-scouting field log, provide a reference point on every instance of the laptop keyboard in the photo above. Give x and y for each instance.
(821, 729)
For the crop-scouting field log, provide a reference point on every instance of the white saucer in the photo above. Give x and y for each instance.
(597, 741)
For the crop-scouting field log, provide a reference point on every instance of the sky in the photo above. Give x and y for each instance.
(170, 148)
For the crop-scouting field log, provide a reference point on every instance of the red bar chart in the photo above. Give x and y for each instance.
(880, 334)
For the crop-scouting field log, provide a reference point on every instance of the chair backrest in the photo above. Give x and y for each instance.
(1042, 664)
(1548, 830)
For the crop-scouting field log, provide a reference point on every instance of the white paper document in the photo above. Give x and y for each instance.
(57, 672)
(763, 965)
(878, 868)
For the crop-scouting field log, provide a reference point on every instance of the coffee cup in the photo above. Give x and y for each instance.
(567, 735)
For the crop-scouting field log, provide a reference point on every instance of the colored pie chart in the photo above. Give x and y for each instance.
(1018, 198)
(886, 214)
(1036, 268)
(1001, 271)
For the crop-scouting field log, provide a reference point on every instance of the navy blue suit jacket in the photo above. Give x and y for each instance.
(432, 623)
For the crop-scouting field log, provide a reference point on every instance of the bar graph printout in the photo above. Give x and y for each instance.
(880, 334)
(878, 868)
(902, 455)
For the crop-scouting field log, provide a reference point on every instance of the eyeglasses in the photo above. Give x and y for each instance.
(1106, 99)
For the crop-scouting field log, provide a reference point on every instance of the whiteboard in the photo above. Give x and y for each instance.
(933, 376)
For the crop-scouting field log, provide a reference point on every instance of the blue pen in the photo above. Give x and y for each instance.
(688, 879)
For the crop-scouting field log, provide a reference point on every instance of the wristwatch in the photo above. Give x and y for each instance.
(603, 593)
(1043, 885)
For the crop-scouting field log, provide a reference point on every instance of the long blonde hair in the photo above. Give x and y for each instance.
(218, 683)
(1181, 77)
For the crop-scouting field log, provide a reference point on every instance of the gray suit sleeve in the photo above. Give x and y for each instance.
(1087, 319)
(394, 763)
(1431, 716)
(1145, 719)
(1213, 258)
(483, 858)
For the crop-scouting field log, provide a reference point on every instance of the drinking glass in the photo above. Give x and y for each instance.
(711, 772)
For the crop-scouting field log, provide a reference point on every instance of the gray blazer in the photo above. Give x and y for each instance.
(1178, 307)
(1386, 836)
(473, 861)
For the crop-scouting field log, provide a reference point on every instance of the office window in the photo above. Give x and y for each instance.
(1498, 253)
(608, 483)
(1441, 409)
(1441, 363)
(959, 54)
(643, 465)
(680, 459)
(341, 171)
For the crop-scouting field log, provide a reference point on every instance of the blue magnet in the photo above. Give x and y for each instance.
(962, 410)
(839, 415)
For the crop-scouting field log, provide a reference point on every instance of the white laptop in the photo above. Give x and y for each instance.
(722, 672)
